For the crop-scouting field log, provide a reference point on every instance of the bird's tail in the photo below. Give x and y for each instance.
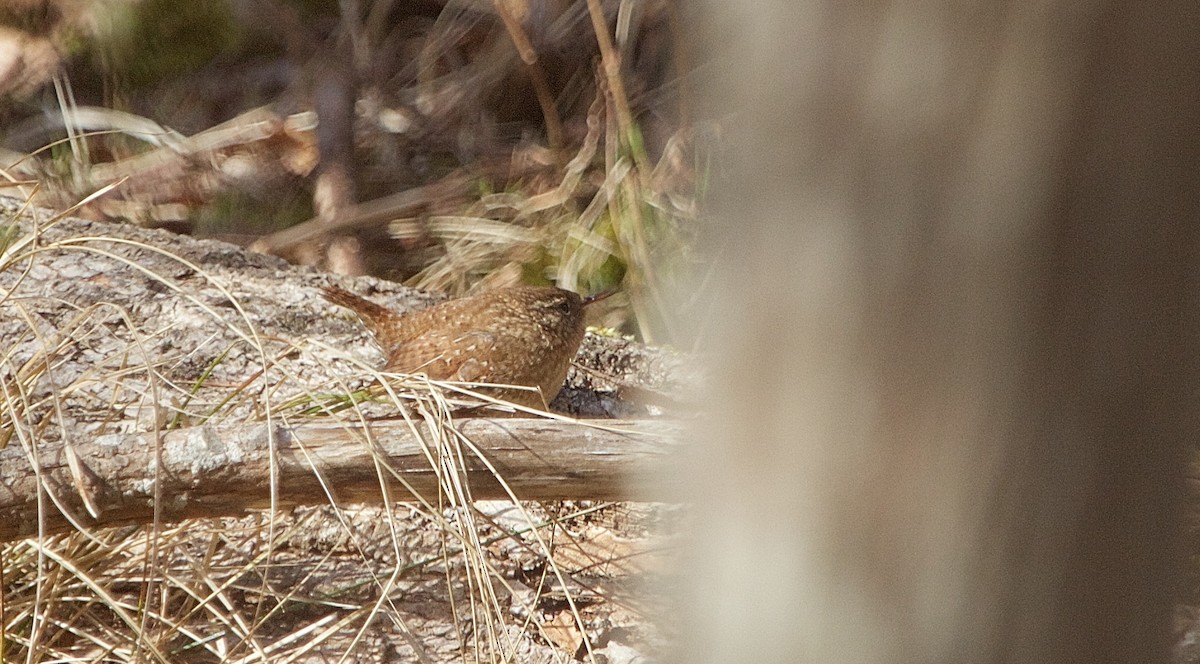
(372, 315)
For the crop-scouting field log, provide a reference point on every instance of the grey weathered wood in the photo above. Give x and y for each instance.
(108, 329)
(216, 471)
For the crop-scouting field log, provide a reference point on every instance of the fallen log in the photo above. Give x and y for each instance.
(210, 471)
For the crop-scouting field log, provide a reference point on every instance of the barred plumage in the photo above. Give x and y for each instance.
(522, 335)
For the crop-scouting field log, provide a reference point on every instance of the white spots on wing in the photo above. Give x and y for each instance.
(473, 370)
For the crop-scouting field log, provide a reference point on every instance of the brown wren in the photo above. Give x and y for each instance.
(523, 335)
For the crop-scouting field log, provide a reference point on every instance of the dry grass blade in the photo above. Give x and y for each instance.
(34, 409)
(245, 590)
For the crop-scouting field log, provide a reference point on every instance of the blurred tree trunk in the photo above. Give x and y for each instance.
(958, 333)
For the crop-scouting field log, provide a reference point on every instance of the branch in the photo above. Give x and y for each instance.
(218, 471)
(364, 215)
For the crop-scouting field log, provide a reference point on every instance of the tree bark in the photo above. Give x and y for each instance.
(219, 471)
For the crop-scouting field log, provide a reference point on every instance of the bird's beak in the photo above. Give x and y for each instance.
(598, 296)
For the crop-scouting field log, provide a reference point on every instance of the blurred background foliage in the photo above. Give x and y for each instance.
(450, 146)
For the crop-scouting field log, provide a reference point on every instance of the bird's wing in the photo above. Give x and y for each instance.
(447, 356)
